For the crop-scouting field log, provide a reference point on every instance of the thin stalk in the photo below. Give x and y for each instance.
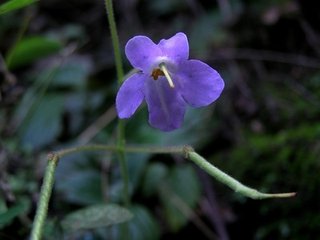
(120, 128)
(190, 154)
(45, 195)
(187, 151)
(231, 182)
(115, 40)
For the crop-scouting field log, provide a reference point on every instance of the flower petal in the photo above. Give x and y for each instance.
(176, 47)
(200, 84)
(166, 106)
(130, 95)
(141, 51)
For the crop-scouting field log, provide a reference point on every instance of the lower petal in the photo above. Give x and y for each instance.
(200, 84)
(166, 106)
(130, 95)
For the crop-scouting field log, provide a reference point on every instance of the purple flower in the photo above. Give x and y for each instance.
(167, 80)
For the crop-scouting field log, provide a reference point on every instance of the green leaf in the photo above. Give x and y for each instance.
(31, 49)
(207, 30)
(44, 125)
(81, 187)
(182, 186)
(136, 165)
(20, 207)
(155, 175)
(198, 127)
(96, 216)
(142, 226)
(14, 4)
(3, 206)
(73, 73)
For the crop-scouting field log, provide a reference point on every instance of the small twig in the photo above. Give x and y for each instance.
(311, 36)
(211, 209)
(186, 211)
(91, 131)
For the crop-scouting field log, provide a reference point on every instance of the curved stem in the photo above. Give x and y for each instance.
(187, 151)
(190, 154)
(231, 182)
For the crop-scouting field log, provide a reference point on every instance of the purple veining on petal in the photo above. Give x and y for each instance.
(130, 95)
(166, 106)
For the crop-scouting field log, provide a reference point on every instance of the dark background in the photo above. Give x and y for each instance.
(58, 86)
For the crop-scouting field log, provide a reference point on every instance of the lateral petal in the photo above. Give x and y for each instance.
(130, 95)
(200, 85)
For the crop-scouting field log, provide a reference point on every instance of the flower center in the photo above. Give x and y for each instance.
(162, 71)
(156, 73)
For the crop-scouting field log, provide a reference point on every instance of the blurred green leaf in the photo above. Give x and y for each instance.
(142, 226)
(182, 186)
(154, 176)
(3, 206)
(136, 165)
(207, 30)
(21, 207)
(73, 73)
(14, 4)
(44, 125)
(197, 127)
(31, 49)
(81, 187)
(96, 216)
(159, 7)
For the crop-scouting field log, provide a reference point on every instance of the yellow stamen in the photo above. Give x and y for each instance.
(166, 74)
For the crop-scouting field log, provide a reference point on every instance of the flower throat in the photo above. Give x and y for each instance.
(162, 71)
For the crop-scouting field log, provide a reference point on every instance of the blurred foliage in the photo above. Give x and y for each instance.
(58, 78)
(95, 216)
(14, 4)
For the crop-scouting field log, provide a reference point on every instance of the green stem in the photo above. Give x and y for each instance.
(45, 194)
(120, 74)
(229, 181)
(187, 151)
(115, 40)
(128, 149)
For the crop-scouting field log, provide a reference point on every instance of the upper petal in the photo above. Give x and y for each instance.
(130, 95)
(176, 47)
(200, 84)
(166, 106)
(141, 51)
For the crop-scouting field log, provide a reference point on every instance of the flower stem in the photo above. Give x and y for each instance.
(115, 40)
(187, 151)
(120, 128)
(190, 154)
(45, 194)
(229, 181)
